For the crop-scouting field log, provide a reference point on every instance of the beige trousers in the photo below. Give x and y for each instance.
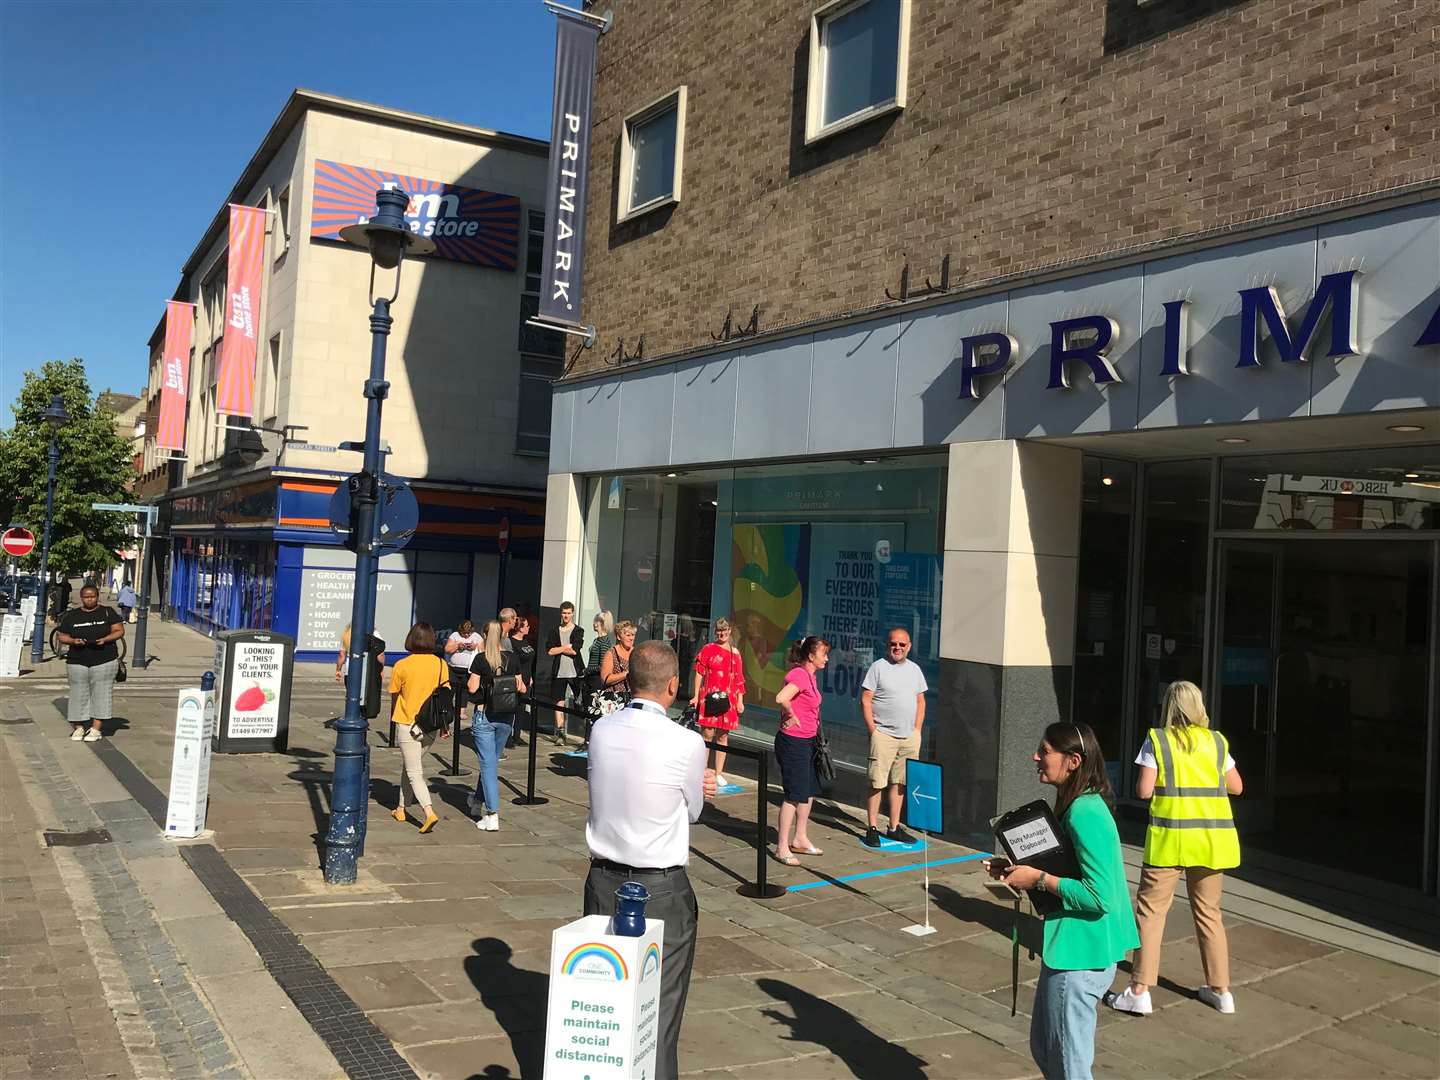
(412, 751)
(1152, 904)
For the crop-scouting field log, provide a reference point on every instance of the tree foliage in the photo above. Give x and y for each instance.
(95, 466)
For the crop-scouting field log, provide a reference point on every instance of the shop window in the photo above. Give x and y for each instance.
(542, 352)
(268, 392)
(1395, 489)
(652, 155)
(844, 549)
(1173, 587)
(859, 56)
(1107, 512)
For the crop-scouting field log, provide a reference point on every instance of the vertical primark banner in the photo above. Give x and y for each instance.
(175, 375)
(576, 34)
(235, 384)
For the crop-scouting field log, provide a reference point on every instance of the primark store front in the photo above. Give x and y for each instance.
(1219, 463)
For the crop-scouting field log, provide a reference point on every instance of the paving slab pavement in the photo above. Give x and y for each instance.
(443, 943)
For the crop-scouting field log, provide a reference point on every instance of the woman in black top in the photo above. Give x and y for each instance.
(488, 728)
(91, 632)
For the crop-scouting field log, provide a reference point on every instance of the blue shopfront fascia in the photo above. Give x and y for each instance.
(1337, 318)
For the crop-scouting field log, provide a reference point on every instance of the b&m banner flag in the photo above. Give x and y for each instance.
(174, 374)
(235, 383)
(467, 225)
(575, 41)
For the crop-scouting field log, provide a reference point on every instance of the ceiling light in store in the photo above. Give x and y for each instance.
(1107, 480)
(714, 502)
(1412, 476)
(1233, 440)
(672, 475)
(869, 461)
(1406, 429)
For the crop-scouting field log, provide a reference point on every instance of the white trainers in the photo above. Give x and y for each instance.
(488, 823)
(1130, 1002)
(77, 733)
(93, 735)
(1224, 1003)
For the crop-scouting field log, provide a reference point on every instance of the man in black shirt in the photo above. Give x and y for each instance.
(90, 631)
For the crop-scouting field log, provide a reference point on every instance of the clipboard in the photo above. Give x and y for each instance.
(1031, 834)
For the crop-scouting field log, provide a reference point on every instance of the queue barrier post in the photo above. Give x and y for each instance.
(530, 798)
(455, 768)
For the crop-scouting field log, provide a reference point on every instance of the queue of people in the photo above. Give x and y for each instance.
(1090, 926)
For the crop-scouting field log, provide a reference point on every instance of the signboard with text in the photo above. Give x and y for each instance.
(603, 1021)
(190, 764)
(467, 225)
(254, 669)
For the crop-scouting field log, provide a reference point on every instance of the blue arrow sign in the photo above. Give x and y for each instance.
(924, 806)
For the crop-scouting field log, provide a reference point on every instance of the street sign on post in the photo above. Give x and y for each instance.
(17, 542)
(398, 509)
(502, 539)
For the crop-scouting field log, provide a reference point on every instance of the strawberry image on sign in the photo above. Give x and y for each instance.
(253, 699)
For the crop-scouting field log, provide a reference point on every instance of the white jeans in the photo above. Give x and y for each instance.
(90, 689)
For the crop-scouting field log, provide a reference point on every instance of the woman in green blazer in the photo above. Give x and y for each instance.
(1095, 925)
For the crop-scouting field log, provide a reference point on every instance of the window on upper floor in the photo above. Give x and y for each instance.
(652, 155)
(542, 352)
(859, 59)
(282, 222)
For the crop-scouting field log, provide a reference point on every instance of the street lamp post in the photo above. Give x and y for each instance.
(56, 417)
(388, 239)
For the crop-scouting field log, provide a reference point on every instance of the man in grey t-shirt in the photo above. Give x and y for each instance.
(892, 700)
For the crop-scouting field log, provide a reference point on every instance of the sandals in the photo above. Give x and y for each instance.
(788, 859)
(808, 850)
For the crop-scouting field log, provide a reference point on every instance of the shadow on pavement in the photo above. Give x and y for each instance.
(825, 1024)
(517, 998)
(989, 914)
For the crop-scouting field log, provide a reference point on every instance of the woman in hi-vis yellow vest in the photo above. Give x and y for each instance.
(1188, 775)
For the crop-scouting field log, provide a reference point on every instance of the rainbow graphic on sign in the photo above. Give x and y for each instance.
(467, 225)
(650, 963)
(595, 960)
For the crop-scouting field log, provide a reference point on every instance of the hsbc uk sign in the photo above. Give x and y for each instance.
(1085, 342)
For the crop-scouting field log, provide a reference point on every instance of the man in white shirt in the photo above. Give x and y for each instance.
(892, 701)
(648, 781)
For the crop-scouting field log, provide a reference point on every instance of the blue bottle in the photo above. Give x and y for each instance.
(629, 917)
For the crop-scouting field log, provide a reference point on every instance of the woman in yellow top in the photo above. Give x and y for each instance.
(1188, 774)
(412, 680)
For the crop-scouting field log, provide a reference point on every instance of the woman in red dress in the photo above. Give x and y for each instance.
(719, 667)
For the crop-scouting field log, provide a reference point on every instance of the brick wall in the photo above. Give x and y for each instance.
(1036, 131)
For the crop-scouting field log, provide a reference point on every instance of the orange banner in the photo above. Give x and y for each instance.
(235, 383)
(175, 375)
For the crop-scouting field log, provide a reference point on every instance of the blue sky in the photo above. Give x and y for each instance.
(124, 126)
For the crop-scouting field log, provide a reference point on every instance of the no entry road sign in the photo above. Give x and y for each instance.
(18, 542)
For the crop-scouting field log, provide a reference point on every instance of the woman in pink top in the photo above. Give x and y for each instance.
(799, 704)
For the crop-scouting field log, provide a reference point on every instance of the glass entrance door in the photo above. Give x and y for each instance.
(1321, 687)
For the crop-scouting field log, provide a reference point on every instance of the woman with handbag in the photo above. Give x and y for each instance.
(495, 685)
(1186, 768)
(615, 668)
(412, 681)
(719, 696)
(796, 744)
(1092, 926)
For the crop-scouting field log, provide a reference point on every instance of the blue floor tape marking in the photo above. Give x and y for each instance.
(889, 870)
(577, 753)
(729, 789)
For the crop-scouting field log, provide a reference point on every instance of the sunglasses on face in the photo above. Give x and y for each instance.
(899, 644)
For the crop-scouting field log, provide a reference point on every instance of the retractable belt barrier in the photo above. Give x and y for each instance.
(760, 888)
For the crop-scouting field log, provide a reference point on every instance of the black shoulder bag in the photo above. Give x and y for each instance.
(438, 711)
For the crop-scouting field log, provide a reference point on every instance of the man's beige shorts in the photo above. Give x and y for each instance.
(888, 756)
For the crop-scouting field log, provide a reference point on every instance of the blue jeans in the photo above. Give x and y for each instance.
(490, 739)
(1062, 1026)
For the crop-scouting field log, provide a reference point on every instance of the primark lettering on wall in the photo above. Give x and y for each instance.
(1327, 319)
